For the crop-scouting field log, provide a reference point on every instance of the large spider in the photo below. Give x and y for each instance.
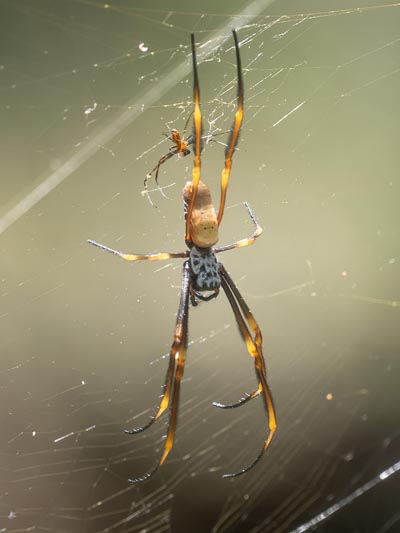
(202, 278)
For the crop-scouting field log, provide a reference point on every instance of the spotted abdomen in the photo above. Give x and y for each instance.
(204, 266)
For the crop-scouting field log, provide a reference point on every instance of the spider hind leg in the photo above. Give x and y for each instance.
(247, 324)
(246, 398)
(170, 398)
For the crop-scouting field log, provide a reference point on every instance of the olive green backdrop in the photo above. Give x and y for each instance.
(87, 89)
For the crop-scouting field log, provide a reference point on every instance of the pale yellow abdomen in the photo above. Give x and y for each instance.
(203, 220)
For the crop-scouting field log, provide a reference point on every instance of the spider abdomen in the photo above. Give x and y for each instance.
(203, 221)
(204, 267)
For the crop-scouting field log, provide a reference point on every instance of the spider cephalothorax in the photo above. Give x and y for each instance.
(203, 275)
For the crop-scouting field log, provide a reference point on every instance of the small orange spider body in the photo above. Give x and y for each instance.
(203, 219)
(180, 143)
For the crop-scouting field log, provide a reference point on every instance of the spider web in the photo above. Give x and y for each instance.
(87, 89)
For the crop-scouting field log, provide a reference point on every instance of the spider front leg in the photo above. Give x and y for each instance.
(177, 358)
(247, 241)
(159, 256)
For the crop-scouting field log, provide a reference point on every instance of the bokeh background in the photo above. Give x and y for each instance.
(87, 89)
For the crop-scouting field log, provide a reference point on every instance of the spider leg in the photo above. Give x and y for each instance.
(234, 134)
(238, 244)
(186, 124)
(247, 397)
(172, 151)
(254, 347)
(165, 397)
(253, 324)
(248, 240)
(208, 138)
(159, 256)
(197, 135)
(177, 362)
(198, 295)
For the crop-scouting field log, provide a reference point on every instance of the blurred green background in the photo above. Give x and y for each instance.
(83, 334)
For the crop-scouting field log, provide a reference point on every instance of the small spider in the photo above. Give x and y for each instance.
(202, 278)
(180, 148)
